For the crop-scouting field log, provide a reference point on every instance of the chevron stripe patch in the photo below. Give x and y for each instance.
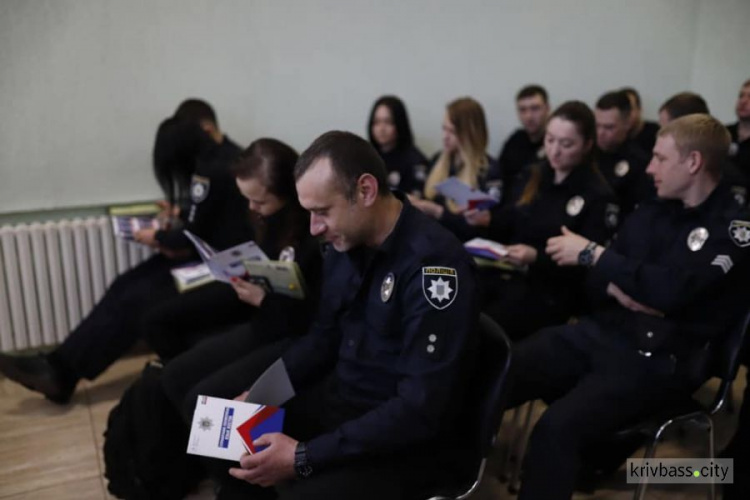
(724, 262)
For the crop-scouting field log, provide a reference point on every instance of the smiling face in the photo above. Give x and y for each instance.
(333, 217)
(260, 200)
(563, 144)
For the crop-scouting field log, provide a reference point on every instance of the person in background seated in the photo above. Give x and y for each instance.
(642, 132)
(739, 151)
(566, 190)
(526, 145)
(217, 214)
(463, 156)
(682, 104)
(390, 133)
(670, 285)
(381, 374)
(620, 160)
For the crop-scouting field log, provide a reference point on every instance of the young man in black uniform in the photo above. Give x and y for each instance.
(217, 214)
(526, 145)
(620, 160)
(642, 132)
(675, 282)
(379, 376)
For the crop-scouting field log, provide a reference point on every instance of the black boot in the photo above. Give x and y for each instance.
(39, 374)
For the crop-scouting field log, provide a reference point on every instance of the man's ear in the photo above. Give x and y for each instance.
(367, 189)
(694, 162)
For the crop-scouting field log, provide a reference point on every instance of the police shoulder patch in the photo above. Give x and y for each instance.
(440, 286)
(739, 231)
(199, 187)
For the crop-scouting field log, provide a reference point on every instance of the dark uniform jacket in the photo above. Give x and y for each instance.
(396, 326)
(689, 263)
(517, 154)
(646, 138)
(407, 169)
(218, 212)
(625, 171)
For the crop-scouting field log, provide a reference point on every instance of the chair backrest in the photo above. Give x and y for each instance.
(726, 358)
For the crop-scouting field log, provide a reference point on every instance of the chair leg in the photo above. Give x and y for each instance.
(515, 480)
(640, 491)
(711, 454)
(504, 473)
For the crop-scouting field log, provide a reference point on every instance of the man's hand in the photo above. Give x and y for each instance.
(627, 301)
(564, 249)
(521, 255)
(478, 217)
(248, 292)
(146, 237)
(270, 466)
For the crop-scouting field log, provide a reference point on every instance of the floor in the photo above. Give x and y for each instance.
(53, 452)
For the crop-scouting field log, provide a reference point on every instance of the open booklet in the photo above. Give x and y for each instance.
(464, 195)
(128, 219)
(246, 261)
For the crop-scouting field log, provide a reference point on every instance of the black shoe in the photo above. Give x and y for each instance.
(38, 374)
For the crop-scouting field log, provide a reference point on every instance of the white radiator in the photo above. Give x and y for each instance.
(53, 273)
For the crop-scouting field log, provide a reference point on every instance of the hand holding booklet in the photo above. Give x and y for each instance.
(464, 195)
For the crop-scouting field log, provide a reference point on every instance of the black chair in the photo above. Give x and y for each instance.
(725, 364)
(485, 406)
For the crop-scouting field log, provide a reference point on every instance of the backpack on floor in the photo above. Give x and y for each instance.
(145, 443)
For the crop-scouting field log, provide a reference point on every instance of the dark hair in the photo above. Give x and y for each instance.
(617, 99)
(272, 162)
(196, 111)
(684, 103)
(580, 115)
(632, 92)
(531, 91)
(177, 149)
(404, 137)
(350, 157)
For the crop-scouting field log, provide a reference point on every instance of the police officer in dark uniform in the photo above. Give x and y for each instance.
(642, 132)
(111, 328)
(379, 377)
(526, 145)
(675, 282)
(390, 133)
(620, 160)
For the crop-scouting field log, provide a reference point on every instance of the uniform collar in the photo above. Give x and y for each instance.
(362, 256)
(576, 179)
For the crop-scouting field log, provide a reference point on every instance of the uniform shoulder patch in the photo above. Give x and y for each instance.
(739, 231)
(440, 286)
(199, 187)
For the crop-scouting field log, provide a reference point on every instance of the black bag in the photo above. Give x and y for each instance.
(145, 443)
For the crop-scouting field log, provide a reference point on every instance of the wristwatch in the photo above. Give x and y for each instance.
(301, 464)
(586, 256)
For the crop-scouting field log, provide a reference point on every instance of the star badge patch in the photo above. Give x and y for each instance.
(440, 286)
(739, 231)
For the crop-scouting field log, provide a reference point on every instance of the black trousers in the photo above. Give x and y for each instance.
(175, 323)
(112, 327)
(594, 385)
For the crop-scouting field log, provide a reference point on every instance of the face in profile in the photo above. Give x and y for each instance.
(260, 200)
(532, 113)
(669, 169)
(450, 139)
(384, 128)
(563, 144)
(333, 217)
(611, 128)
(743, 104)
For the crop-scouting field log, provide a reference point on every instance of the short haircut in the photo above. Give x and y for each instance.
(350, 157)
(404, 138)
(702, 133)
(683, 104)
(632, 92)
(272, 163)
(196, 111)
(617, 99)
(747, 82)
(531, 91)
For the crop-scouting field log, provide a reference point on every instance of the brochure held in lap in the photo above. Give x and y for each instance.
(228, 263)
(464, 195)
(224, 428)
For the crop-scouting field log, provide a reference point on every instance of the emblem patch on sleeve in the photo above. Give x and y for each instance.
(199, 188)
(440, 286)
(739, 231)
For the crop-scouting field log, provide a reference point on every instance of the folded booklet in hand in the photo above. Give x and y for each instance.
(464, 195)
(486, 248)
(228, 263)
(224, 428)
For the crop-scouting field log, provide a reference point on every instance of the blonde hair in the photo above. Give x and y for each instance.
(704, 134)
(467, 116)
